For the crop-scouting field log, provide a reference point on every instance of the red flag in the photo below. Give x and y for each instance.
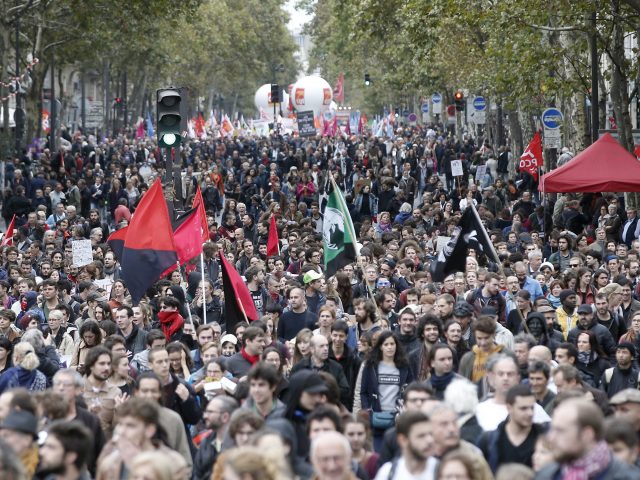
(273, 244)
(7, 240)
(531, 159)
(187, 236)
(199, 125)
(338, 90)
(238, 304)
(347, 128)
(148, 246)
(198, 202)
(140, 130)
(636, 151)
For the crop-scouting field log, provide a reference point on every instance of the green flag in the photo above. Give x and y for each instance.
(339, 237)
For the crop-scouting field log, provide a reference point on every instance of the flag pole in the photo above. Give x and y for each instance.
(498, 262)
(188, 306)
(204, 306)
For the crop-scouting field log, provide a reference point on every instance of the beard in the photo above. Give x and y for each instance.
(46, 470)
(417, 454)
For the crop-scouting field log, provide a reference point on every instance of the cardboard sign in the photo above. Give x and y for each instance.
(82, 252)
(456, 168)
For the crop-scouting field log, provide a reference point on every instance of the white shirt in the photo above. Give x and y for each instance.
(401, 473)
(490, 414)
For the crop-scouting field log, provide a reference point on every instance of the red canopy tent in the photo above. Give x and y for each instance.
(603, 167)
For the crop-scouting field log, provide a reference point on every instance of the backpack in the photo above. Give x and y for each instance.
(608, 374)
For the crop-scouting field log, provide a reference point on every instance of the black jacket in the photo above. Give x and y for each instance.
(332, 367)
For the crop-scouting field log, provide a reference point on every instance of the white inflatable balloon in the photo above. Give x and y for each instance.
(262, 100)
(312, 93)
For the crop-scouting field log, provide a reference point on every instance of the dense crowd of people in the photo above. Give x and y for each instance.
(523, 368)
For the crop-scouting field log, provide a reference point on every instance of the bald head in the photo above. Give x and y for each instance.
(540, 353)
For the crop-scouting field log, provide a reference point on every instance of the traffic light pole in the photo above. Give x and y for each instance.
(169, 190)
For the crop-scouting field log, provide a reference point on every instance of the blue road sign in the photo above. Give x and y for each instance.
(552, 118)
(479, 104)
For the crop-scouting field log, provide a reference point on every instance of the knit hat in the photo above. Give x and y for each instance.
(566, 293)
(21, 421)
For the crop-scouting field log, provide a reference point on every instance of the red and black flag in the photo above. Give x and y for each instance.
(148, 246)
(116, 242)
(238, 304)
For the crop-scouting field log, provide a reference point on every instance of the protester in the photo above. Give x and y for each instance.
(382, 314)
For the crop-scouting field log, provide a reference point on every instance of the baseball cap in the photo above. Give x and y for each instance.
(584, 308)
(313, 383)
(228, 338)
(628, 395)
(21, 421)
(546, 308)
(311, 276)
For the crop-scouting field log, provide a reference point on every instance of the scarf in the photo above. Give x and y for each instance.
(588, 466)
(171, 323)
(587, 357)
(252, 359)
(440, 382)
(480, 362)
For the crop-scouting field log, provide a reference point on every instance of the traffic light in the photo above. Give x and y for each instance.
(459, 99)
(117, 102)
(168, 116)
(367, 79)
(275, 93)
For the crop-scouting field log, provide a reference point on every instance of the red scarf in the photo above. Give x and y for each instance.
(171, 322)
(252, 359)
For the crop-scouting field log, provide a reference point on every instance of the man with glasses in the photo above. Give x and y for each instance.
(527, 283)
(415, 396)
(216, 418)
(70, 384)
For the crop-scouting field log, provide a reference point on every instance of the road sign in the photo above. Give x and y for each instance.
(436, 100)
(479, 117)
(552, 138)
(479, 104)
(425, 108)
(405, 113)
(412, 117)
(552, 118)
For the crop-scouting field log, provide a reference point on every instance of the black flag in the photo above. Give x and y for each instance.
(469, 233)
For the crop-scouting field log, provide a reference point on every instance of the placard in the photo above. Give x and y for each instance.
(82, 252)
(480, 172)
(442, 242)
(306, 124)
(456, 168)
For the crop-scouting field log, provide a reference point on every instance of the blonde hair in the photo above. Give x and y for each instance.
(25, 356)
(253, 463)
(157, 461)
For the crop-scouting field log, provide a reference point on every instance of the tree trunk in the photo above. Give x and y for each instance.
(5, 142)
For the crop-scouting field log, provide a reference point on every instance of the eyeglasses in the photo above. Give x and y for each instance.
(574, 265)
